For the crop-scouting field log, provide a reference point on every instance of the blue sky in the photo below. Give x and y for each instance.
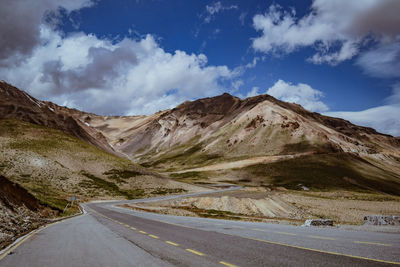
(226, 41)
(138, 57)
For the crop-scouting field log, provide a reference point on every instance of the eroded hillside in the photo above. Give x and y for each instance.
(259, 141)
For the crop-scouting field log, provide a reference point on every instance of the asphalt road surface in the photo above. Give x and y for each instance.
(108, 235)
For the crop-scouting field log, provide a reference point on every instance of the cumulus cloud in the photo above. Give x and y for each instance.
(300, 93)
(130, 76)
(20, 24)
(127, 77)
(335, 29)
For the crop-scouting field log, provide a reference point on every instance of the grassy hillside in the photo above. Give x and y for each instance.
(324, 172)
(315, 172)
(53, 165)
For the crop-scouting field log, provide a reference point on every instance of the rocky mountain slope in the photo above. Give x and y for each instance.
(268, 134)
(259, 141)
(47, 150)
(16, 104)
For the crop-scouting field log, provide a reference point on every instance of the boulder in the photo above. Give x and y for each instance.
(382, 220)
(319, 222)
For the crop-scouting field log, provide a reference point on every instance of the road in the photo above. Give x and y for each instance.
(108, 235)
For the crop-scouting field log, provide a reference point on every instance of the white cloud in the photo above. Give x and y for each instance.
(383, 62)
(384, 119)
(236, 85)
(335, 29)
(20, 24)
(131, 76)
(215, 8)
(242, 18)
(253, 92)
(252, 64)
(127, 77)
(300, 93)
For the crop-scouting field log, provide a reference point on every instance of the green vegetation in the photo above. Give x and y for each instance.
(49, 197)
(326, 172)
(215, 214)
(59, 158)
(121, 175)
(191, 174)
(306, 146)
(189, 154)
(58, 204)
(45, 141)
(164, 191)
(110, 187)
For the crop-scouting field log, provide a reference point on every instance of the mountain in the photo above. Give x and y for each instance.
(261, 141)
(256, 142)
(51, 153)
(16, 104)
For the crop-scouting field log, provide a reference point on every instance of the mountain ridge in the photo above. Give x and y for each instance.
(17, 104)
(226, 131)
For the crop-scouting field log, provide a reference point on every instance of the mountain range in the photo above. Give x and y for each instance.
(50, 152)
(258, 141)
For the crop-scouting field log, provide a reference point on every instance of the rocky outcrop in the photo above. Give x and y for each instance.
(20, 212)
(319, 222)
(382, 220)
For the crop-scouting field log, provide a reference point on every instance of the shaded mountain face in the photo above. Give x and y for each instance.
(16, 104)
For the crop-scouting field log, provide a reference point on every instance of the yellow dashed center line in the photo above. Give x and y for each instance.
(127, 225)
(324, 251)
(372, 243)
(227, 264)
(256, 229)
(321, 237)
(172, 243)
(266, 241)
(154, 236)
(195, 252)
(284, 233)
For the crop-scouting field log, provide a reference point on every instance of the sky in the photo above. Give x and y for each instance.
(122, 57)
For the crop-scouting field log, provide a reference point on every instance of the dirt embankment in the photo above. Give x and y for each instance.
(287, 206)
(20, 212)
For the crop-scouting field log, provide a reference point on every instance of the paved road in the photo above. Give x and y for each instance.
(111, 236)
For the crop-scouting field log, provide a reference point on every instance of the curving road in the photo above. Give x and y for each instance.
(108, 235)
